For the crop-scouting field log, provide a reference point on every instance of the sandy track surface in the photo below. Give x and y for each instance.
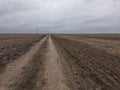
(53, 69)
(14, 69)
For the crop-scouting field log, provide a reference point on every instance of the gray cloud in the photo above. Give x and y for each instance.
(54, 16)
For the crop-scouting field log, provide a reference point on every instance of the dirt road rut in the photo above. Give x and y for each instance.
(53, 74)
(39, 69)
(14, 69)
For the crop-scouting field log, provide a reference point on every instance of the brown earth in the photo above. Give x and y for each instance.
(108, 43)
(53, 69)
(64, 62)
(40, 68)
(90, 68)
(11, 77)
(11, 49)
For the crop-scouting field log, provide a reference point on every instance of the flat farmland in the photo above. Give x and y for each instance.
(60, 62)
(12, 46)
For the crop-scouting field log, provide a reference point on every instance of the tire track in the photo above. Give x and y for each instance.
(53, 74)
(13, 72)
(32, 76)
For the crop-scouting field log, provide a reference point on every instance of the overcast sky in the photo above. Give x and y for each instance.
(60, 16)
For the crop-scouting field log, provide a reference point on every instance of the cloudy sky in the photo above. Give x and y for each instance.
(60, 16)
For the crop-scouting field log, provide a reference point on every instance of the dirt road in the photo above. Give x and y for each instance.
(15, 69)
(57, 63)
(53, 74)
(29, 72)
